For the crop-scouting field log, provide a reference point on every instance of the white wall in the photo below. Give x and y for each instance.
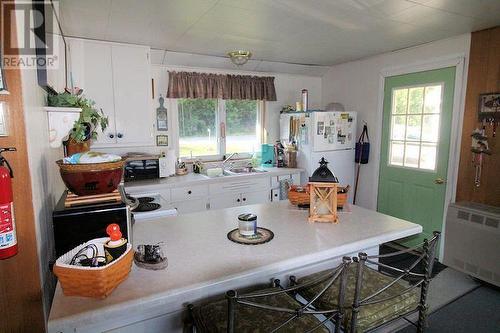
(288, 91)
(356, 85)
(46, 183)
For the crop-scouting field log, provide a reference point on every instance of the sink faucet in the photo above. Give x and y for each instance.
(227, 159)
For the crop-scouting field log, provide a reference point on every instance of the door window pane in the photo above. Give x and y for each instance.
(397, 153)
(428, 156)
(398, 127)
(415, 123)
(197, 127)
(415, 100)
(412, 152)
(430, 128)
(241, 126)
(400, 101)
(413, 128)
(432, 99)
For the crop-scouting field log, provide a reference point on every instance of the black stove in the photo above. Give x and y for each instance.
(146, 206)
(143, 200)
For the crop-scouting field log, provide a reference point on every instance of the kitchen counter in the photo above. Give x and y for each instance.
(192, 178)
(204, 263)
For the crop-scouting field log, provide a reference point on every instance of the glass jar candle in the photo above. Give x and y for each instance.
(247, 225)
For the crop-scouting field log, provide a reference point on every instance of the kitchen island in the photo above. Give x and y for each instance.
(204, 263)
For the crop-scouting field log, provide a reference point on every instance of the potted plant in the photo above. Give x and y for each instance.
(86, 127)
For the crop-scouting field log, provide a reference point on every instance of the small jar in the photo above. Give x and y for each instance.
(247, 224)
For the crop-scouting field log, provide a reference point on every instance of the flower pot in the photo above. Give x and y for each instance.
(73, 147)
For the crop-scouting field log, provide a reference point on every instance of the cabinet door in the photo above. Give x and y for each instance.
(132, 95)
(251, 198)
(91, 70)
(227, 200)
(190, 206)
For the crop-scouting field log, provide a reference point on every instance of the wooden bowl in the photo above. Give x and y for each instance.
(91, 178)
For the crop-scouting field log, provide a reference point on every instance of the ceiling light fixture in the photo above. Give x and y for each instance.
(239, 57)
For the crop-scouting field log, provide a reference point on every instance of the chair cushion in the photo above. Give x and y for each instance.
(369, 316)
(212, 317)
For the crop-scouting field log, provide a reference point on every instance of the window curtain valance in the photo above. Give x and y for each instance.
(207, 85)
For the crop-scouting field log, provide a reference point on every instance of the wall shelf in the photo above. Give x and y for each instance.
(61, 120)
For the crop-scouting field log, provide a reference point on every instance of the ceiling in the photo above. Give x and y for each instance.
(316, 32)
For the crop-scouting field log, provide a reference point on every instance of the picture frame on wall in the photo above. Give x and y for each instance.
(489, 106)
(162, 140)
(161, 116)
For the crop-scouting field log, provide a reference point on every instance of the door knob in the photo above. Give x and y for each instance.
(119, 135)
(111, 135)
(439, 181)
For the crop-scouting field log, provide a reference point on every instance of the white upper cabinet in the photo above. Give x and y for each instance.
(118, 78)
(132, 90)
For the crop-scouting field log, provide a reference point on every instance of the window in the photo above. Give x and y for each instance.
(415, 119)
(200, 132)
(242, 126)
(197, 127)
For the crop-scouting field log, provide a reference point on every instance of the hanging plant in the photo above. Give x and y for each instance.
(91, 119)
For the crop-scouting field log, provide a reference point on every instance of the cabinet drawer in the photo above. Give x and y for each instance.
(189, 192)
(241, 185)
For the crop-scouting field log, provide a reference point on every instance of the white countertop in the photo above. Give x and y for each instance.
(202, 259)
(195, 178)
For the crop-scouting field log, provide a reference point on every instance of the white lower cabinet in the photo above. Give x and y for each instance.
(230, 193)
(252, 198)
(228, 200)
(221, 201)
(190, 206)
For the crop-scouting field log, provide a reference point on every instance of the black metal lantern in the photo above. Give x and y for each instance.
(323, 174)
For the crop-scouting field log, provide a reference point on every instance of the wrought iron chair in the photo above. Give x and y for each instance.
(378, 298)
(271, 310)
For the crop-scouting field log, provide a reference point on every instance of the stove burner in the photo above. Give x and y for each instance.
(145, 199)
(146, 207)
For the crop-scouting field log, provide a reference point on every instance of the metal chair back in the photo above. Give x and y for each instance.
(427, 257)
(335, 314)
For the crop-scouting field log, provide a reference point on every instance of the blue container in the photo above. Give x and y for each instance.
(267, 155)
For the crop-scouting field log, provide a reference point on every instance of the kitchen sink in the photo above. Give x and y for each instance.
(239, 171)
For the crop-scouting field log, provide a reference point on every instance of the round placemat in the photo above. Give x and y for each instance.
(263, 236)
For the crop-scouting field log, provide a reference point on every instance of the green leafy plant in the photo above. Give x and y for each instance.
(91, 119)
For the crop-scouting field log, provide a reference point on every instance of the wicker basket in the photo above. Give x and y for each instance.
(95, 282)
(302, 198)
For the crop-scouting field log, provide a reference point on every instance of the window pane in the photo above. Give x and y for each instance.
(197, 129)
(413, 127)
(428, 157)
(432, 99)
(412, 151)
(430, 128)
(416, 100)
(400, 101)
(398, 127)
(397, 151)
(241, 126)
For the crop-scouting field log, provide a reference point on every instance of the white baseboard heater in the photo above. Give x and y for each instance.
(472, 240)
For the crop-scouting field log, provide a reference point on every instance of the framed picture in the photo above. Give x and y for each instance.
(161, 116)
(489, 106)
(162, 140)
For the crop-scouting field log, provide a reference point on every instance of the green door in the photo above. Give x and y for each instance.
(415, 146)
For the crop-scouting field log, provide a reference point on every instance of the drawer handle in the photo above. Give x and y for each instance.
(238, 200)
(189, 192)
(244, 199)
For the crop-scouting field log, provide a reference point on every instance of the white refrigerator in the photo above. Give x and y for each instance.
(328, 134)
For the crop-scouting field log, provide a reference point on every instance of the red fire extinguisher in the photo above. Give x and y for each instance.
(8, 240)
